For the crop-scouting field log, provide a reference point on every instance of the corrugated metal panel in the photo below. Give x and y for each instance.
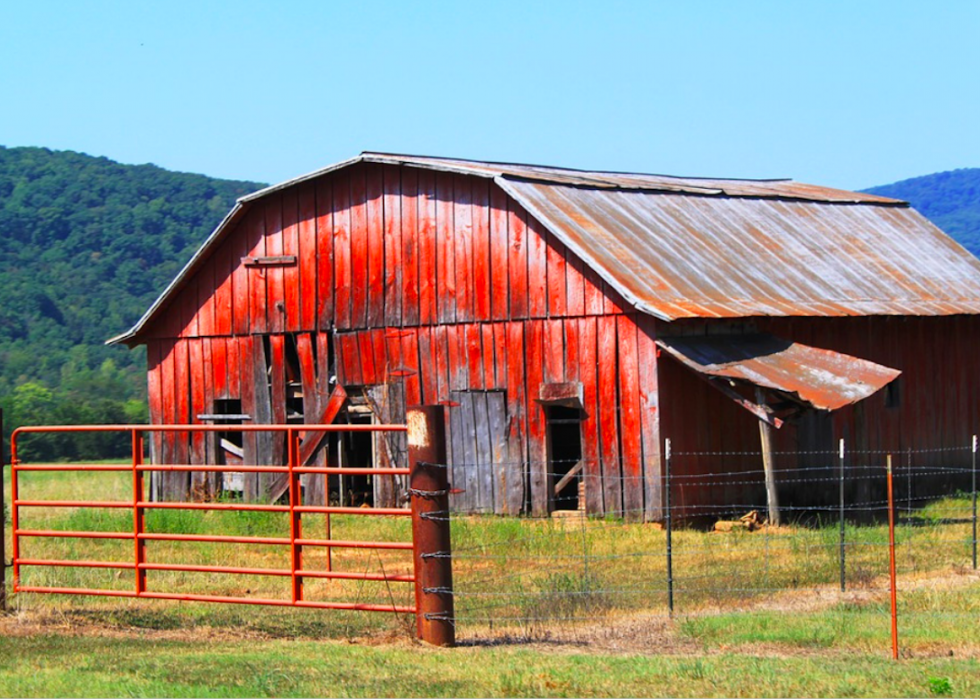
(781, 189)
(680, 256)
(824, 379)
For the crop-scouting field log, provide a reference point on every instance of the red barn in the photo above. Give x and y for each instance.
(570, 321)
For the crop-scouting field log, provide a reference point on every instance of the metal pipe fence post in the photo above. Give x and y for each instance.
(139, 523)
(973, 472)
(3, 526)
(668, 527)
(431, 533)
(843, 544)
(891, 560)
(295, 523)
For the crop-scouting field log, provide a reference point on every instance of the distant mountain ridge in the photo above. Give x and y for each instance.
(949, 199)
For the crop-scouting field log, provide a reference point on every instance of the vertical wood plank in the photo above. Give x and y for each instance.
(410, 246)
(458, 367)
(182, 399)
(474, 356)
(325, 252)
(291, 273)
(374, 184)
(488, 358)
(234, 369)
(343, 277)
(594, 299)
(307, 257)
(359, 241)
(410, 364)
(205, 298)
(481, 248)
(265, 444)
(536, 427)
(629, 413)
(575, 284)
(365, 350)
(427, 367)
(514, 476)
(500, 358)
(241, 244)
(497, 425)
(587, 368)
(440, 351)
(537, 265)
(154, 399)
(608, 418)
(463, 238)
(218, 362)
(445, 249)
(275, 275)
(393, 246)
(166, 480)
(517, 229)
(428, 248)
(553, 355)
(257, 281)
(189, 316)
(250, 449)
(222, 289)
(557, 281)
(499, 254)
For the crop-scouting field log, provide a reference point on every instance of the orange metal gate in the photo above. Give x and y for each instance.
(295, 542)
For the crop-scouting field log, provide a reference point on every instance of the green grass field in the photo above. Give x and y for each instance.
(545, 608)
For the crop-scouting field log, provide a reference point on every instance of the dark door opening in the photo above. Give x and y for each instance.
(565, 464)
(355, 450)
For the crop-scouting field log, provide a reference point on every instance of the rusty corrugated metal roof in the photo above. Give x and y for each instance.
(682, 255)
(824, 379)
(683, 247)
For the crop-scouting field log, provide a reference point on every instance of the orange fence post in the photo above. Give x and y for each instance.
(891, 559)
(139, 545)
(429, 489)
(295, 524)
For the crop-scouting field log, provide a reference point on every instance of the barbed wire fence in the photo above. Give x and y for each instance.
(615, 580)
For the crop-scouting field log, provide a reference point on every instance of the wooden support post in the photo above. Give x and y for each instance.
(765, 434)
(429, 488)
(668, 520)
(843, 543)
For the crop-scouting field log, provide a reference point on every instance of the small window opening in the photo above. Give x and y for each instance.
(893, 394)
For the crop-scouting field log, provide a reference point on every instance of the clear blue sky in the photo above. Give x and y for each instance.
(849, 94)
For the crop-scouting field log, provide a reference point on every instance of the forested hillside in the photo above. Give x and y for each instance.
(86, 245)
(951, 200)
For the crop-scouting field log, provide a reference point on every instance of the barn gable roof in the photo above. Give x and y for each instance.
(678, 247)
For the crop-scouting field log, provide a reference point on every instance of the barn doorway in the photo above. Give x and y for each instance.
(565, 464)
(355, 450)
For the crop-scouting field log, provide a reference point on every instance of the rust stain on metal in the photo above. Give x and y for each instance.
(821, 378)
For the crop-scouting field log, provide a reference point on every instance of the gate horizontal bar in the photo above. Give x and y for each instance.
(74, 564)
(73, 534)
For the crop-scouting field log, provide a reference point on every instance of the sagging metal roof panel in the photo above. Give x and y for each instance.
(821, 378)
(682, 255)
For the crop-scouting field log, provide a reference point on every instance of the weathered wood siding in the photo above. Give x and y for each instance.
(715, 442)
(435, 282)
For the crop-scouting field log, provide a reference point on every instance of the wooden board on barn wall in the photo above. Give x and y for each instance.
(514, 477)
(608, 399)
(480, 220)
(410, 246)
(343, 268)
(387, 402)
(587, 372)
(629, 415)
(463, 243)
(374, 210)
(290, 272)
(358, 248)
(536, 427)
(250, 440)
(154, 381)
(324, 252)
(392, 262)
(499, 281)
(479, 421)
(650, 418)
